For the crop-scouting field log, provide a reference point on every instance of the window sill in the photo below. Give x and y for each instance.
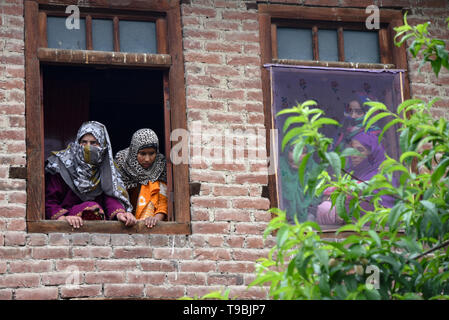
(50, 226)
(334, 64)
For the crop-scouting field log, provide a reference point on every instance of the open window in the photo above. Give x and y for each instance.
(121, 64)
(323, 54)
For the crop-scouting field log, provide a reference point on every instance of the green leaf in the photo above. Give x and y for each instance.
(323, 121)
(302, 168)
(309, 103)
(408, 154)
(323, 257)
(373, 234)
(376, 118)
(348, 227)
(408, 103)
(350, 152)
(291, 119)
(375, 106)
(436, 65)
(395, 214)
(286, 111)
(439, 171)
(290, 135)
(403, 140)
(387, 126)
(335, 162)
(431, 212)
(282, 235)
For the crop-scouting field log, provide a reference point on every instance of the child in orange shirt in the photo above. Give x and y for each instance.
(143, 170)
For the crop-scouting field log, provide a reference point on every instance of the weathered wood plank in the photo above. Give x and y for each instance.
(90, 57)
(163, 227)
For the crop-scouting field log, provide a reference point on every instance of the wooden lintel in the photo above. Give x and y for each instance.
(163, 227)
(90, 57)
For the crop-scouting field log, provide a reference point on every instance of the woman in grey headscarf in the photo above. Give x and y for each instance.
(82, 182)
(143, 170)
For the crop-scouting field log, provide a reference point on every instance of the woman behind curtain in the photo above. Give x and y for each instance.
(82, 183)
(143, 170)
(364, 167)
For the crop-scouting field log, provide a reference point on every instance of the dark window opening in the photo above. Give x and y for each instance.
(124, 100)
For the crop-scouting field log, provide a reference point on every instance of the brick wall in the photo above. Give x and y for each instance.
(223, 86)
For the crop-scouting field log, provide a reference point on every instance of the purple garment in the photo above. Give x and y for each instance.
(369, 167)
(60, 200)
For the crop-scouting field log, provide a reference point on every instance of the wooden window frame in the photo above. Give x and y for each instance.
(167, 15)
(270, 14)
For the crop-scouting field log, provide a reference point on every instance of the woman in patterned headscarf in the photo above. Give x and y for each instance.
(143, 170)
(82, 182)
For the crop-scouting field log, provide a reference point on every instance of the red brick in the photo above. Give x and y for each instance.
(225, 117)
(260, 203)
(212, 58)
(242, 36)
(158, 292)
(104, 277)
(207, 81)
(19, 280)
(253, 228)
(232, 215)
(215, 240)
(190, 21)
(249, 107)
(14, 253)
(5, 294)
(153, 265)
(210, 227)
(236, 267)
(159, 240)
(239, 15)
(236, 241)
(197, 266)
(80, 239)
(37, 239)
(227, 94)
(242, 61)
(255, 243)
(225, 279)
(37, 294)
(221, 25)
(223, 47)
(200, 34)
(89, 252)
(30, 266)
(251, 178)
(16, 225)
(88, 291)
(192, 279)
(116, 265)
(15, 238)
(123, 290)
(100, 239)
(223, 71)
(50, 253)
(204, 104)
(199, 214)
(196, 11)
(212, 254)
(254, 96)
(209, 202)
(176, 253)
(191, 44)
(262, 216)
(132, 253)
(58, 239)
(72, 264)
(14, 211)
(3, 266)
(249, 254)
(146, 278)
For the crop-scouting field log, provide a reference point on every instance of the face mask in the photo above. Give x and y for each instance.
(91, 155)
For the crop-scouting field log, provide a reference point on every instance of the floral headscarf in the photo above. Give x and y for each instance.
(130, 169)
(89, 170)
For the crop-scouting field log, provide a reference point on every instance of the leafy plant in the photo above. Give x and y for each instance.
(391, 253)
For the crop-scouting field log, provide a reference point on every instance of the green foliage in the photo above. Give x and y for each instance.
(407, 244)
(433, 50)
